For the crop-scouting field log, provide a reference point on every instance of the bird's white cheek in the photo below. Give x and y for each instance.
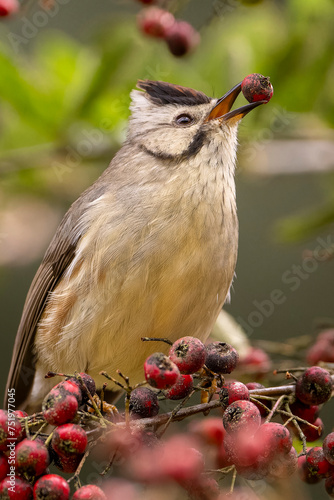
(168, 142)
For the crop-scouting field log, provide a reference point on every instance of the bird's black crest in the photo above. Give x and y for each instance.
(167, 93)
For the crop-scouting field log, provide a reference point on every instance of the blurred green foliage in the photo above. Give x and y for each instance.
(58, 93)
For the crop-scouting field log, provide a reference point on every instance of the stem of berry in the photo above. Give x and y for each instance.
(156, 339)
(276, 407)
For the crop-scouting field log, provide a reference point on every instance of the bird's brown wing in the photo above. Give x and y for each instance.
(57, 258)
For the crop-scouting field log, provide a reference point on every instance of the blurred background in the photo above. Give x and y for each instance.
(66, 70)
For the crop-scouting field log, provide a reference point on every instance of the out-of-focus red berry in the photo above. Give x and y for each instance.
(143, 403)
(310, 433)
(181, 389)
(89, 492)
(221, 357)
(188, 353)
(241, 416)
(233, 391)
(155, 22)
(283, 465)
(256, 361)
(210, 430)
(329, 486)
(51, 486)
(314, 386)
(160, 371)
(274, 438)
(8, 7)
(182, 38)
(256, 87)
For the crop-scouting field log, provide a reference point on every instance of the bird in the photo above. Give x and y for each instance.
(149, 249)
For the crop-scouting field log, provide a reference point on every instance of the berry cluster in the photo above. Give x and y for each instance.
(180, 36)
(241, 439)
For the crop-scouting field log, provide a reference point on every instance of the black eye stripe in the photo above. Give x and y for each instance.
(184, 119)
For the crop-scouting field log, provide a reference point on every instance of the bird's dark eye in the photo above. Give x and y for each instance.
(184, 120)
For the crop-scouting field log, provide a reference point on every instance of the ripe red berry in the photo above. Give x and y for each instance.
(256, 361)
(72, 388)
(241, 416)
(4, 467)
(310, 433)
(256, 87)
(160, 371)
(182, 38)
(221, 357)
(188, 353)
(68, 464)
(274, 438)
(8, 7)
(155, 22)
(210, 430)
(181, 389)
(69, 439)
(263, 411)
(316, 462)
(59, 407)
(51, 487)
(241, 449)
(314, 386)
(233, 391)
(322, 349)
(11, 430)
(328, 447)
(21, 414)
(306, 412)
(283, 465)
(89, 492)
(15, 489)
(304, 472)
(329, 486)
(143, 403)
(32, 457)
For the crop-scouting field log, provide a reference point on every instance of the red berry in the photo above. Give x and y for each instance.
(221, 357)
(316, 462)
(155, 22)
(89, 492)
(59, 407)
(143, 403)
(4, 467)
(160, 371)
(241, 416)
(304, 472)
(283, 465)
(256, 87)
(233, 391)
(241, 449)
(51, 487)
(21, 414)
(32, 457)
(306, 412)
(72, 388)
(188, 353)
(8, 7)
(328, 447)
(68, 464)
(329, 486)
(11, 430)
(181, 389)
(263, 411)
(210, 430)
(274, 438)
(69, 439)
(256, 360)
(310, 433)
(182, 38)
(15, 488)
(314, 386)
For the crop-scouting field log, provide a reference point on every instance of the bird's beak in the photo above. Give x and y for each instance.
(222, 109)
